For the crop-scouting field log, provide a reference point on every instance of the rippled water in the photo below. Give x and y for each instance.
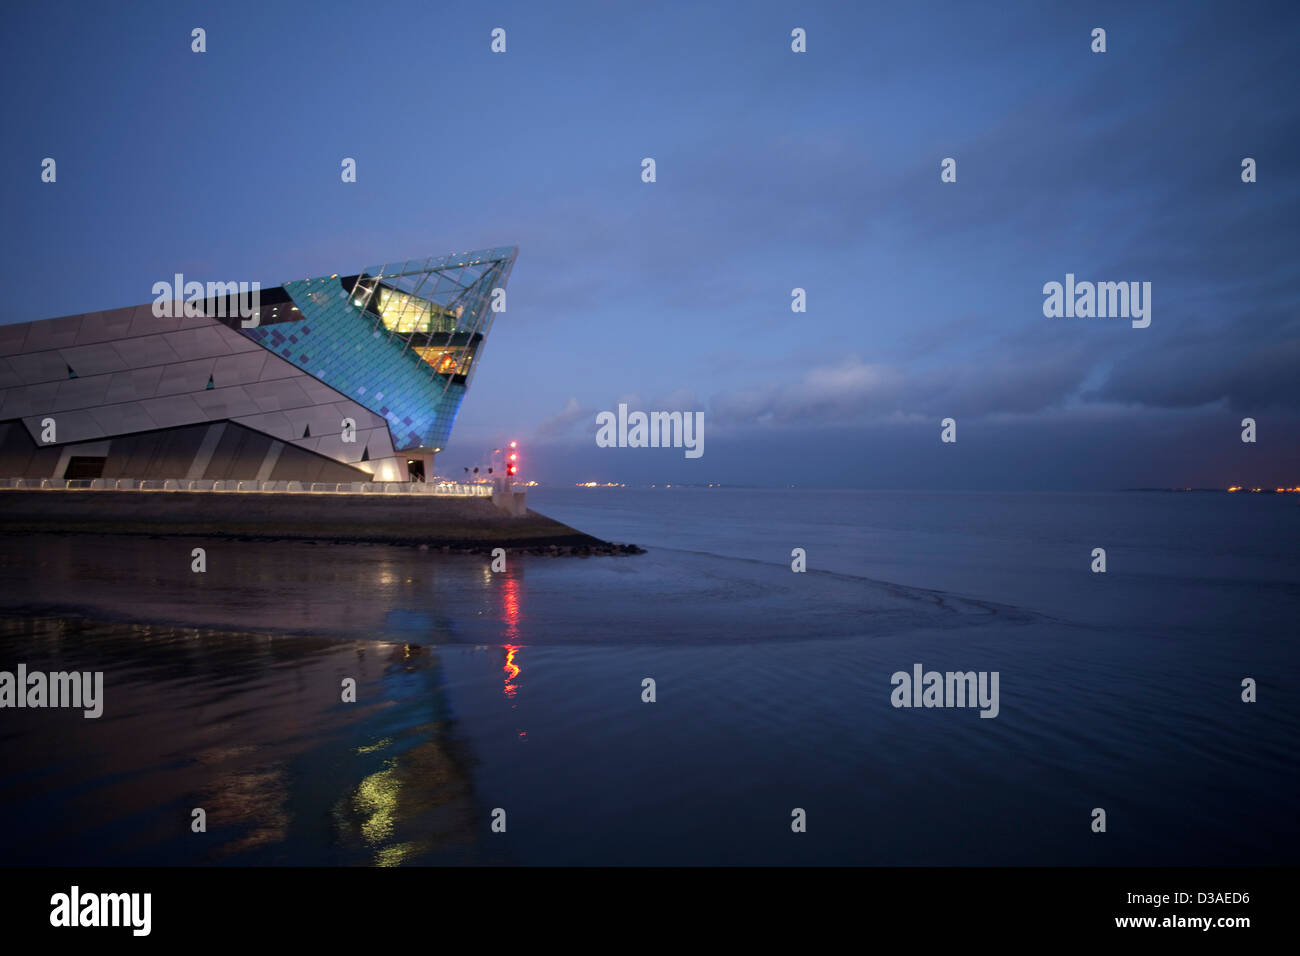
(522, 690)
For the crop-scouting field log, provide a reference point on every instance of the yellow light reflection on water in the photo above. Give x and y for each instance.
(376, 799)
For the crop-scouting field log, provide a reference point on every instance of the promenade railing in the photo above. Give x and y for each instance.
(233, 486)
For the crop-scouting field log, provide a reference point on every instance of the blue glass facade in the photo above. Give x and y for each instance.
(399, 339)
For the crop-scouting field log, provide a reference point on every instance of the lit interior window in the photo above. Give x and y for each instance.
(447, 361)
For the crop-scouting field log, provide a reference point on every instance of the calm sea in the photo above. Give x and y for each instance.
(517, 696)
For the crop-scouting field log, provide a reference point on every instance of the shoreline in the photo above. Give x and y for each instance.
(447, 525)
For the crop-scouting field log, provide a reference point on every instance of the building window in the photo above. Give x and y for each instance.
(403, 313)
(447, 361)
(82, 466)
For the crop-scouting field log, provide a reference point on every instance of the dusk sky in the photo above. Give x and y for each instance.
(775, 170)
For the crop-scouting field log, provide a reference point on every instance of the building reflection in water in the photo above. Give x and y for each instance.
(418, 800)
(415, 799)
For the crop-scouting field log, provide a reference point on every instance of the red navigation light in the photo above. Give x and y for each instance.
(514, 444)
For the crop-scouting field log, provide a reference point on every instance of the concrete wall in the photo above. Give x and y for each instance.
(409, 519)
(510, 502)
(126, 373)
(223, 450)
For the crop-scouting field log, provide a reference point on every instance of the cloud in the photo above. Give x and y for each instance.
(999, 379)
(832, 393)
(1248, 376)
(562, 422)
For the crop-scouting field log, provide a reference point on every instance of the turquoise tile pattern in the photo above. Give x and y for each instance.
(348, 349)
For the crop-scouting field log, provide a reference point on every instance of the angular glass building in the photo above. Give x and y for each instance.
(342, 378)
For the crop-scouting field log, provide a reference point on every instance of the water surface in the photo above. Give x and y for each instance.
(522, 690)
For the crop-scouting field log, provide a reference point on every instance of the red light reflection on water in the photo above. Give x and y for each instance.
(512, 670)
(510, 608)
(510, 594)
